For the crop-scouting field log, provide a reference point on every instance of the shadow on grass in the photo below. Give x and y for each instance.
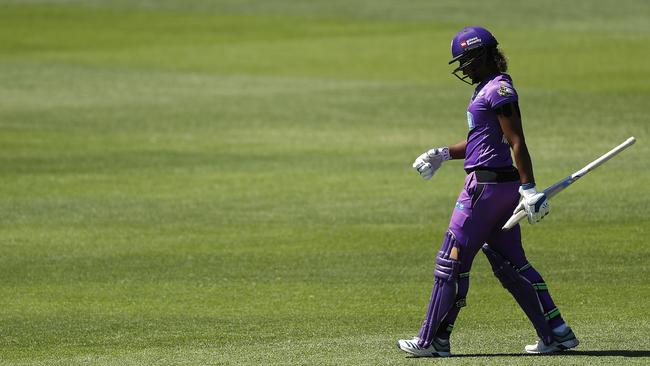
(601, 353)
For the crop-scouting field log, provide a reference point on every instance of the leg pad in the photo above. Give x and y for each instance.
(445, 289)
(524, 292)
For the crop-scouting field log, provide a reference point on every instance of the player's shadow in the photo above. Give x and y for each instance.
(600, 353)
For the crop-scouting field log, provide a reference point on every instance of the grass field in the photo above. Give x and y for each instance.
(229, 182)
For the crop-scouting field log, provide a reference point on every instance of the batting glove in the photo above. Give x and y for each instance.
(427, 163)
(535, 204)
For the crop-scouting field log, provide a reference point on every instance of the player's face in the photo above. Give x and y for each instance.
(474, 67)
(471, 72)
(470, 68)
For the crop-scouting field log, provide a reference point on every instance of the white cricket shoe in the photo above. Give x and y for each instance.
(438, 348)
(562, 342)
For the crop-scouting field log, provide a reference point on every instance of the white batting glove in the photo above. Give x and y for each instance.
(535, 204)
(427, 163)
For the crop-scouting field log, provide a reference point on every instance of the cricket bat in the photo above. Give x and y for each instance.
(564, 183)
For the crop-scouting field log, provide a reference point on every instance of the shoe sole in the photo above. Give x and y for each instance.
(568, 344)
(435, 354)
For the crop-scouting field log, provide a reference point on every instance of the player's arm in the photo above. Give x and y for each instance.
(510, 121)
(535, 204)
(457, 151)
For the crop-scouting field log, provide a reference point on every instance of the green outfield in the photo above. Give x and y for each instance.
(229, 182)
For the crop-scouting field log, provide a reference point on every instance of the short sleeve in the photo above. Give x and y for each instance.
(501, 94)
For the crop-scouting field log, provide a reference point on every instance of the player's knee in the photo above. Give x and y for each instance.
(447, 263)
(502, 268)
(446, 269)
(508, 273)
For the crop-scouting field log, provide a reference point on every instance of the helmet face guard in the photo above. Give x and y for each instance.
(469, 47)
(467, 59)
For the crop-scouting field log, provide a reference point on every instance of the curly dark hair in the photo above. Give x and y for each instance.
(496, 55)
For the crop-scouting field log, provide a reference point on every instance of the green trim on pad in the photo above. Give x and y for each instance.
(525, 267)
(540, 286)
(552, 314)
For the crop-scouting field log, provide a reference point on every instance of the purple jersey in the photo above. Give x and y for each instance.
(487, 147)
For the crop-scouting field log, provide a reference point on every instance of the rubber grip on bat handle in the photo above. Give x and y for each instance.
(514, 219)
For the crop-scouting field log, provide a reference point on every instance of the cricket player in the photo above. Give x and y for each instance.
(492, 191)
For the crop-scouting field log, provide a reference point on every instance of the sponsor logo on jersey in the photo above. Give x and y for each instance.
(460, 206)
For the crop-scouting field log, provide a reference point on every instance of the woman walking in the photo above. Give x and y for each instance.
(492, 190)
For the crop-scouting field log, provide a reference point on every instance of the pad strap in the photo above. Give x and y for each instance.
(555, 312)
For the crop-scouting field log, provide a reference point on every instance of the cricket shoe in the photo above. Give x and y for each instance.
(561, 342)
(438, 348)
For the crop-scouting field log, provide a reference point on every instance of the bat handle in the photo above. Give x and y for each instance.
(514, 219)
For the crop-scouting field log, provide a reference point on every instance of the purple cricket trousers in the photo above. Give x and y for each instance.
(481, 210)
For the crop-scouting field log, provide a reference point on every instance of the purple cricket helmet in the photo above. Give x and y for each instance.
(470, 38)
(468, 47)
